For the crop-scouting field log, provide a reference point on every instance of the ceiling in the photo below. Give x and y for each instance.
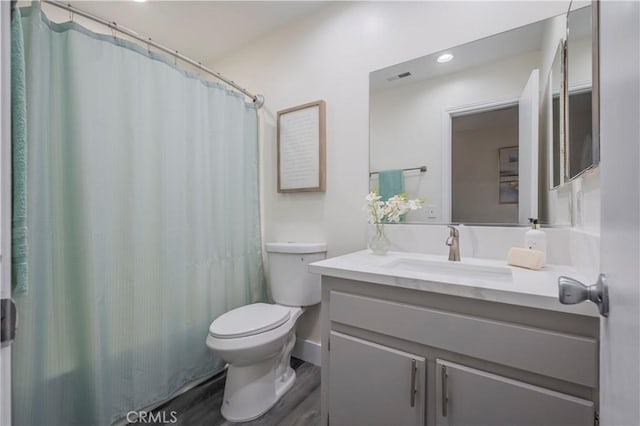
(484, 51)
(202, 30)
(487, 50)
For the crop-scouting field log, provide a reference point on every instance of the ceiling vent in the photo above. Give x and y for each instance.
(399, 76)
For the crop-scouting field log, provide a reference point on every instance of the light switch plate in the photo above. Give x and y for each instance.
(432, 211)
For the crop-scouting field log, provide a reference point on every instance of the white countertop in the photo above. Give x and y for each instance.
(535, 289)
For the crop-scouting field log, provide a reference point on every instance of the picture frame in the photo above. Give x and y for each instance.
(301, 148)
(508, 191)
(508, 161)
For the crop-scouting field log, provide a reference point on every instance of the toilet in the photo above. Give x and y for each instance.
(256, 340)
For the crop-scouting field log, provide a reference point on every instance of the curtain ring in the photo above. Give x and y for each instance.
(149, 46)
(71, 15)
(175, 59)
(113, 31)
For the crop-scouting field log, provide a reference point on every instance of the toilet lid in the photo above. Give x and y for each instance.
(249, 320)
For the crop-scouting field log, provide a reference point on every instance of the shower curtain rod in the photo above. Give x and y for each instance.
(258, 100)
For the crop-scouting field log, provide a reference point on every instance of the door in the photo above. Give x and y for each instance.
(5, 205)
(372, 384)
(620, 216)
(469, 397)
(528, 112)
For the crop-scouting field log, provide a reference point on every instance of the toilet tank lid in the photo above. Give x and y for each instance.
(296, 247)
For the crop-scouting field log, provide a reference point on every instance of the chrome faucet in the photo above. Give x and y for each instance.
(454, 244)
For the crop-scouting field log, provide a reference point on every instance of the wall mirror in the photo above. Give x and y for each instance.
(471, 129)
(582, 150)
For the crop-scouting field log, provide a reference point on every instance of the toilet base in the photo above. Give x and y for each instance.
(250, 391)
(285, 383)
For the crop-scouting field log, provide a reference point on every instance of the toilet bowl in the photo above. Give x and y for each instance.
(256, 340)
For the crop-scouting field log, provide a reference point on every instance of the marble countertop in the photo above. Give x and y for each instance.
(523, 287)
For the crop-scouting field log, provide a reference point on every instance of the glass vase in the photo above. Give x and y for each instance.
(378, 242)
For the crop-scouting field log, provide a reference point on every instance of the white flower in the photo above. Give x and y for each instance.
(372, 196)
(391, 210)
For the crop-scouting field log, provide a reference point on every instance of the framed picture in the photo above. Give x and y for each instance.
(301, 148)
(508, 161)
(509, 191)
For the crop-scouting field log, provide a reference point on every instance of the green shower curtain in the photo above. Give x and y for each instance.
(142, 224)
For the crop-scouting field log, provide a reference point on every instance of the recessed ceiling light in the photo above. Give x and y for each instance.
(140, 1)
(445, 57)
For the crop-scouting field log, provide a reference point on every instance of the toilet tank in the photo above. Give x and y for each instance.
(290, 281)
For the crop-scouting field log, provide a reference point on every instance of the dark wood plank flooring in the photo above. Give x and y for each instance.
(200, 406)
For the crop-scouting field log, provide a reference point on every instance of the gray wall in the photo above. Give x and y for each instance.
(474, 169)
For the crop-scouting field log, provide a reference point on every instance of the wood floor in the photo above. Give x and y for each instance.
(300, 406)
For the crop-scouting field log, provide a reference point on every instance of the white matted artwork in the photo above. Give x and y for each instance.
(301, 148)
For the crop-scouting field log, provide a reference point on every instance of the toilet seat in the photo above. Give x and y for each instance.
(249, 320)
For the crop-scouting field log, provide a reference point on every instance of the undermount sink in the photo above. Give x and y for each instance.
(458, 269)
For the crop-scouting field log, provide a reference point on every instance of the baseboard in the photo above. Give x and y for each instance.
(307, 350)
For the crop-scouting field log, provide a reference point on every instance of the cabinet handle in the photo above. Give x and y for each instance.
(443, 383)
(414, 369)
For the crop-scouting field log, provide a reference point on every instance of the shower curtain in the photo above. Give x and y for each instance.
(142, 224)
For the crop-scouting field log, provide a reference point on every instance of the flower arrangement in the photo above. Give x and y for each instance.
(390, 211)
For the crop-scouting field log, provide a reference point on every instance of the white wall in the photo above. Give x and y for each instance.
(579, 61)
(554, 33)
(329, 56)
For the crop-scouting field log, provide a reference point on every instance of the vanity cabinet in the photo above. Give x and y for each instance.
(400, 356)
(396, 383)
(467, 396)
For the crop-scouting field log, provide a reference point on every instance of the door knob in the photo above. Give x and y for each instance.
(572, 291)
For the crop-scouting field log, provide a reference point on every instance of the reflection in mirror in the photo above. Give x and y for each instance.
(475, 139)
(555, 83)
(580, 148)
(473, 121)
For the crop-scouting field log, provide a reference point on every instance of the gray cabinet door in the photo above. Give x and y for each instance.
(372, 384)
(470, 397)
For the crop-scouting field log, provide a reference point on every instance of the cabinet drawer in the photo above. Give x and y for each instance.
(562, 356)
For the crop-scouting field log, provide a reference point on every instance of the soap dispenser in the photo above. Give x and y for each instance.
(536, 239)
